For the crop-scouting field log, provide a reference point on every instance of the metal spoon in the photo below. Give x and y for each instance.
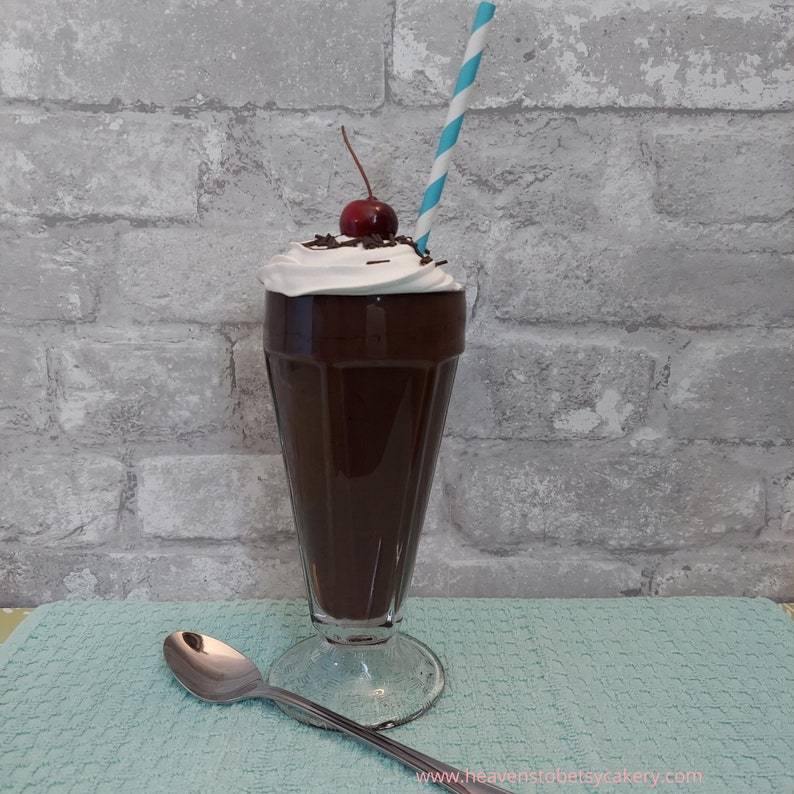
(216, 672)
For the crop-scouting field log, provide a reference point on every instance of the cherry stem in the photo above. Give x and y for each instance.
(357, 162)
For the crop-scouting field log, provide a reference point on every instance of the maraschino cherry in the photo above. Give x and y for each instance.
(366, 216)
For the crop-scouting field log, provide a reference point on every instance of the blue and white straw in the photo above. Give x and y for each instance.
(449, 136)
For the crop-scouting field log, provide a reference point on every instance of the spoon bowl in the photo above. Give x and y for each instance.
(211, 669)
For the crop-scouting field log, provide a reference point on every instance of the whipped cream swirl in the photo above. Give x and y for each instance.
(305, 270)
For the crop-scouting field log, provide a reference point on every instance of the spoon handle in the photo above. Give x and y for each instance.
(449, 777)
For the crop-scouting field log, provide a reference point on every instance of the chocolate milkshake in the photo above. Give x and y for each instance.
(362, 337)
(362, 334)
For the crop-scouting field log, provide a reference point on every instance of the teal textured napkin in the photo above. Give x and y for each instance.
(680, 684)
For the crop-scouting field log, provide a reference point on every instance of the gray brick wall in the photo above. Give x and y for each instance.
(621, 209)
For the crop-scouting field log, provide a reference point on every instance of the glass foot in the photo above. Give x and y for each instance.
(379, 686)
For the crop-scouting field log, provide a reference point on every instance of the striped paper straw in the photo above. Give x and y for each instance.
(449, 136)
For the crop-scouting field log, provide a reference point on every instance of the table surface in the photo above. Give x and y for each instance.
(645, 683)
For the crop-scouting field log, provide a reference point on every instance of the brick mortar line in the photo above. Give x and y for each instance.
(628, 327)
(132, 451)
(516, 328)
(734, 539)
(182, 111)
(388, 66)
(53, 221)
(11, 221)
(678, 442)
(628, 110)
(192, 111)
(279, 542)
(154, 546)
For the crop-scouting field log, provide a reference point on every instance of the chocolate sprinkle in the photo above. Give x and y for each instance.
(377, 261)
(370, 241)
